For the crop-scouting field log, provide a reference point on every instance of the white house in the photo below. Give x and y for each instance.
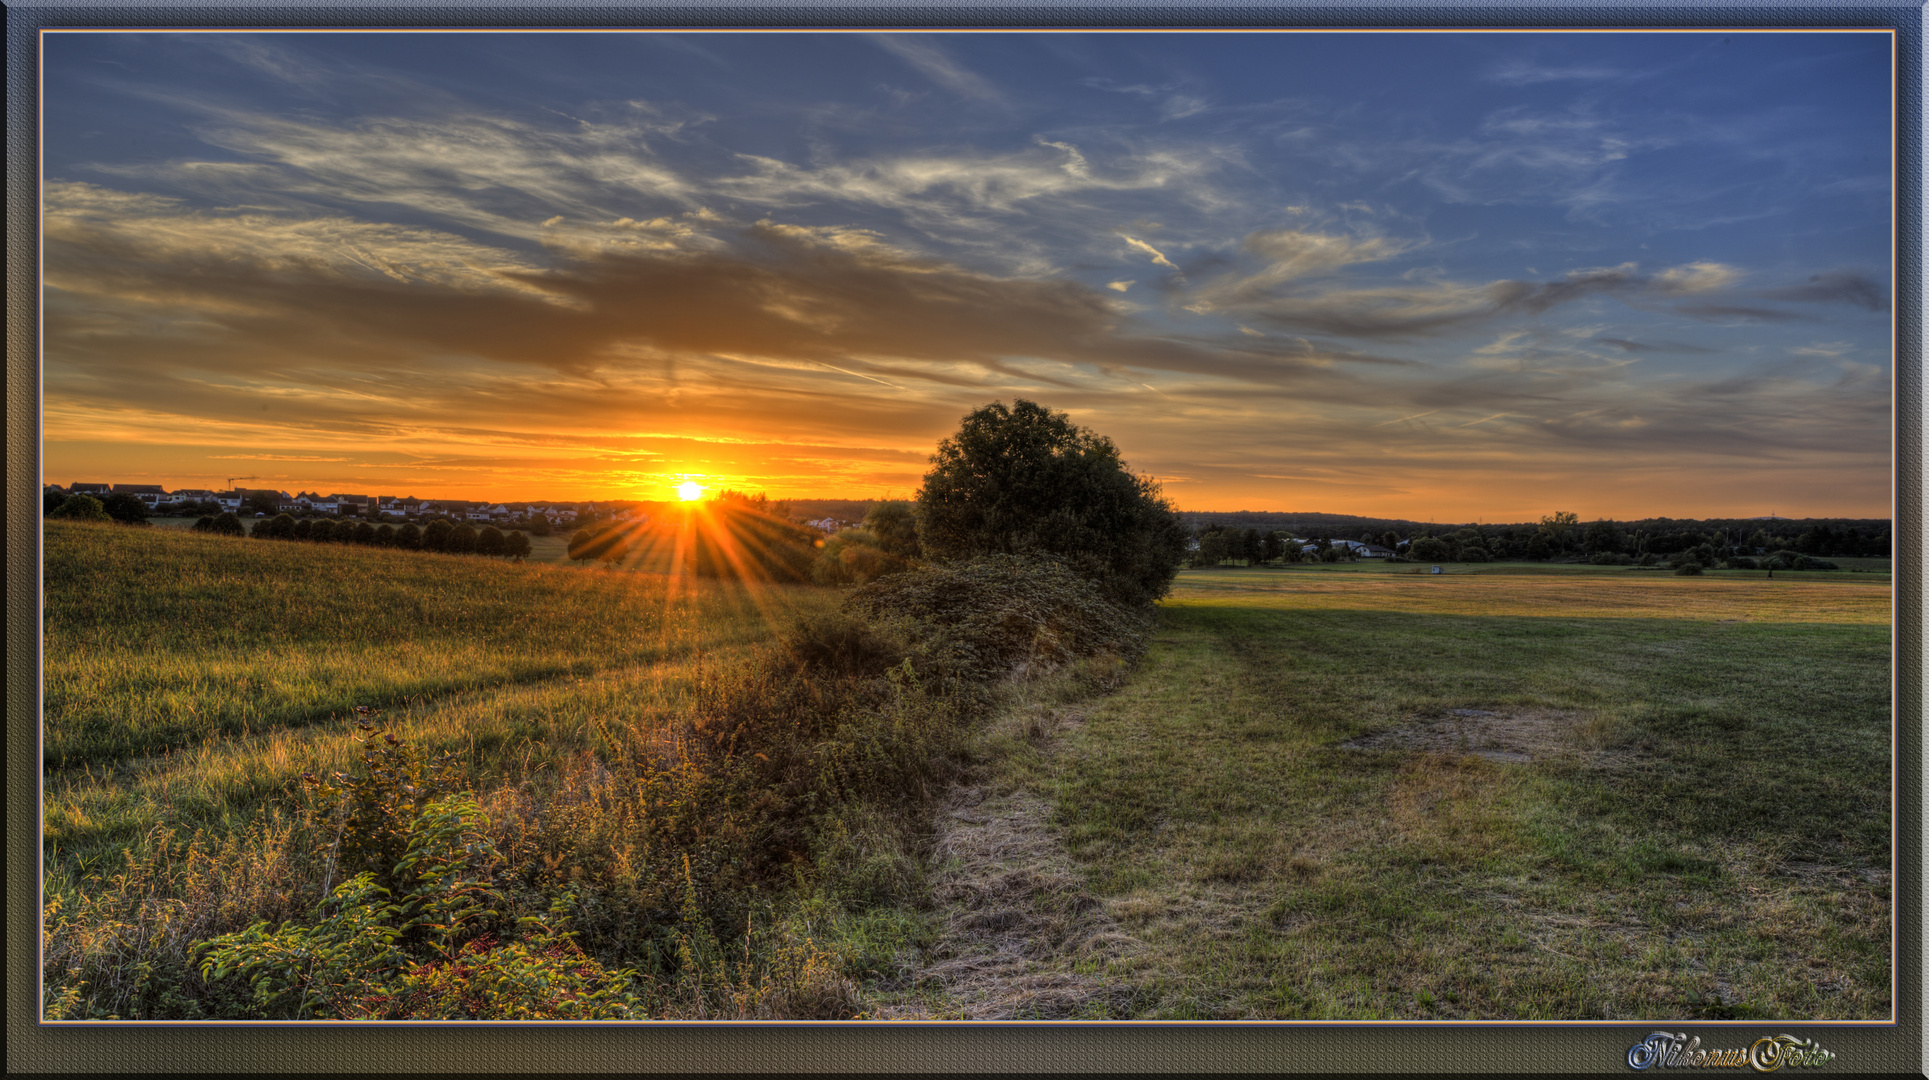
(150, 495)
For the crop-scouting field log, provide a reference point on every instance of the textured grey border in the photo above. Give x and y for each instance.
(1896, 1050)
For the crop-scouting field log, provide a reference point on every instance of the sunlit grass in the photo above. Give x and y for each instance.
(156, 640)
(1585, 593)
(566, 696)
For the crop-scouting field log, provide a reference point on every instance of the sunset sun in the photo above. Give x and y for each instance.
(689, 491)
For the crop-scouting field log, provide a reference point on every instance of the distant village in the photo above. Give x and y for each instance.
(267, 501)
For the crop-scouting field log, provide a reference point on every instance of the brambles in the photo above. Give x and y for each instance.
(1000, 616)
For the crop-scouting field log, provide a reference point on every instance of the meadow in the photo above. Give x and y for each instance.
(1325, 792)
(1496, 793)
(192, 683)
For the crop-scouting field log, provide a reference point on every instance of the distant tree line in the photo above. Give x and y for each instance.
(443, 535)
(1562, 537)
(123, 508)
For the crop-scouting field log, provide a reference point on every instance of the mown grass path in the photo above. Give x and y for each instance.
(1493, 796)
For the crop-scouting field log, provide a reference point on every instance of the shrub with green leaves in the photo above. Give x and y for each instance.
(369, 952)
(81, 508)
(372, 813)
(855, 557)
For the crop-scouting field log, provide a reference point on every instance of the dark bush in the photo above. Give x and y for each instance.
(840, 644)
(1795, 560)
(608, 543)
(462, 539)
(489, 541)
(436, 536)
(125, 508)
(854, 557)
(408, 537)
(516, 546)
(894, 524)
(228, 524)
(83, 508)
(1430, 549)
(279, 527)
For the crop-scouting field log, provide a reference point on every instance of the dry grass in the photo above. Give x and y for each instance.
(1614, 594)
(1021, 940)
(1512, 736)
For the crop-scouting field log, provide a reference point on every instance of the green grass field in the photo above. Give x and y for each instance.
(1332, 791)
(1492, 793)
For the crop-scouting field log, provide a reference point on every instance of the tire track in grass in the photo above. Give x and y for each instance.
(1022, 938)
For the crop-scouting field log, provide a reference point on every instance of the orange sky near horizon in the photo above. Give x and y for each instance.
(1444, 277)
(1447, 485)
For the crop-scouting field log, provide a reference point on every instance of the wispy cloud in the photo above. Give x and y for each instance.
(484, 172)
(1158, 256)
(937, 65)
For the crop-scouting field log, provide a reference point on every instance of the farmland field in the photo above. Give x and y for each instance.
(1486, 794)
(1326, 792)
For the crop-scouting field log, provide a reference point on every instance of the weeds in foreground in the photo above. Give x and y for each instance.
(754, 853)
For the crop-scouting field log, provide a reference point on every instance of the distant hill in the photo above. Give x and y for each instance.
(1337, 525)
(1311, 523)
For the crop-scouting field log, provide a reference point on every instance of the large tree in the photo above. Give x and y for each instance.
(1026, 480)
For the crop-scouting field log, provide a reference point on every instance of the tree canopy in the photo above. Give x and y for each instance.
(1025, 480)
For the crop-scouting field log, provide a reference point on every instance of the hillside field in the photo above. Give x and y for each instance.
(1326, 792)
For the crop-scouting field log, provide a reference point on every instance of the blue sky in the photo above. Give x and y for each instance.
(1444, 276)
